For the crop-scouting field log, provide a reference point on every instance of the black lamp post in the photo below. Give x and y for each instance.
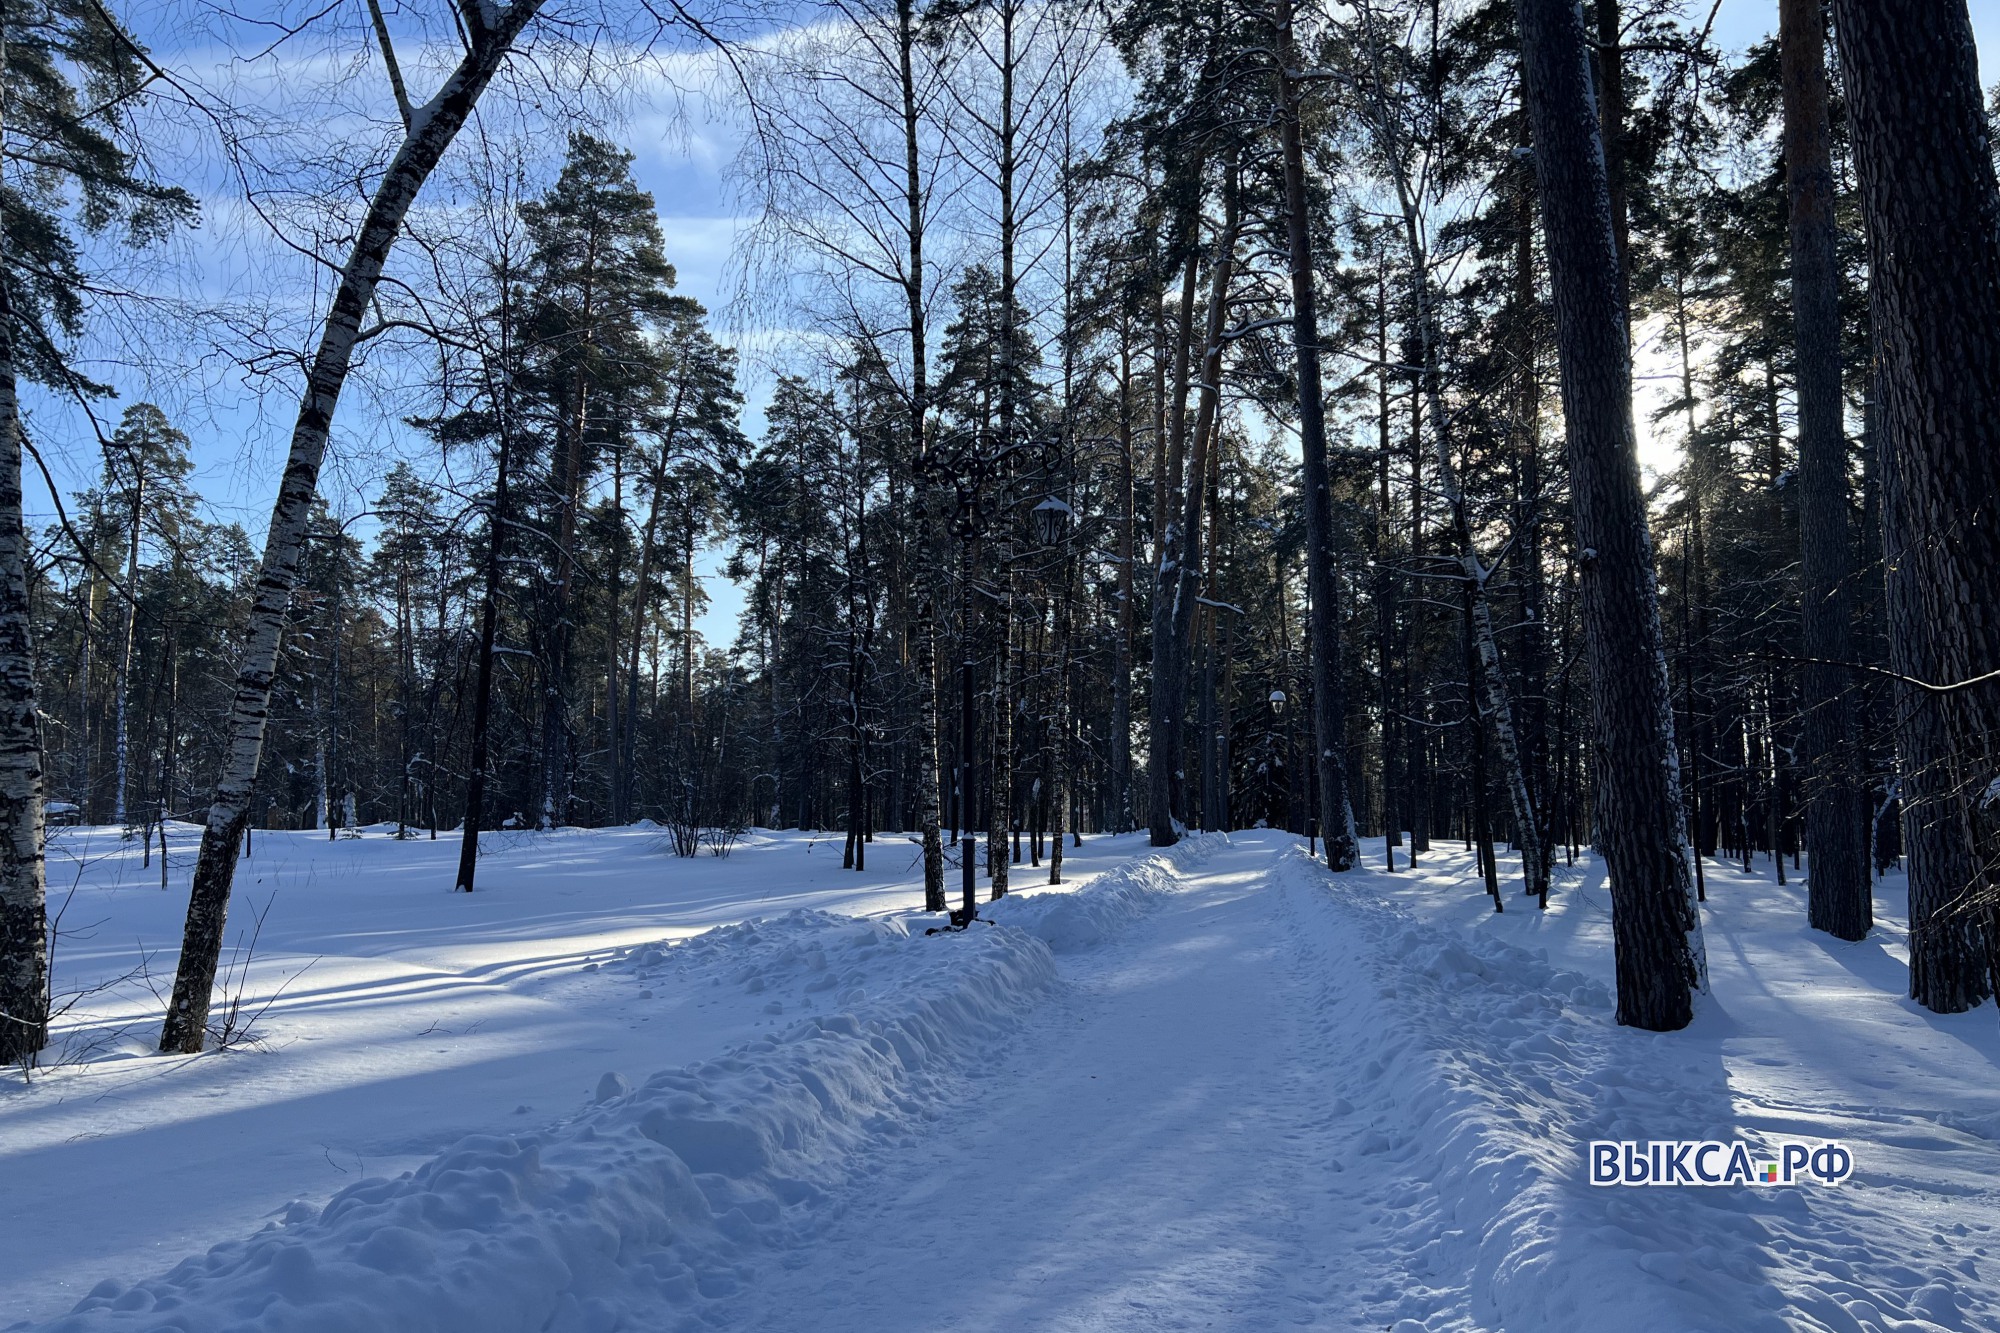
(968, 846)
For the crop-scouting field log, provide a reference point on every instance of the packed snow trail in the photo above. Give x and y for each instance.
(1285, 1100)
(1157, 1153)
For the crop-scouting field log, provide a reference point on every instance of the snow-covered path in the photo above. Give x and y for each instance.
(1154, 1153)
(1285, 1099)
(1214, 1088)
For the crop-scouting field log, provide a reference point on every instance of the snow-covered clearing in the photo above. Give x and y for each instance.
(1216, 1088)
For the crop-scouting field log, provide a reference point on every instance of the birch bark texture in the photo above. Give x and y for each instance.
(1489, 680)
(490, 33)
(1656, 927)
(1923, 156)
(930, 737)
(24, 942)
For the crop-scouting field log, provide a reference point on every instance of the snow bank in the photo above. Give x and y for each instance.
(657, 1199)
(1074, 921)
(1485, 1071)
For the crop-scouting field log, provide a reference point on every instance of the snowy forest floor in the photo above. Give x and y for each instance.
(1212, 1088)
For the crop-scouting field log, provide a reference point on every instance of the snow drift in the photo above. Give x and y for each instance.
(656, 1199)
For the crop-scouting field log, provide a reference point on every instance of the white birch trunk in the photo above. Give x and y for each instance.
(1499, 707)
(491, 31)
(24, 943)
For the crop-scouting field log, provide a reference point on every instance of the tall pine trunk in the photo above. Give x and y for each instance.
(1928, 192)
(490, 32)
(1656, 928)
(123, 684)
(559, 630)
(613, 598)
(1838, 897)
(1177, 594)
(1609, 73)
(1531, 657)
(1947, 974)
(1169, 463)
(1385, 590)
(1336, 809)
(1121, 667)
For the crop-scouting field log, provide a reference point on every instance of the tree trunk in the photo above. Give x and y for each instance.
(1059, 751)
(482, 697)
(1531, 658)
(1000, 768)
(614, 597)
(930, 737)
(1475, 718)
(648, 546)
(1205, 718)
(123, 684)
(1416, 730)
(559, 633)
(24, 941)
(433, 129)
(1336, 810)
(1212, 774)
(1610, 77)
(1176, 595)
(1921, 138)
(859, 620)
(406, 689)
(1169, 462)
(1121, 667)
(1385, 583)
(1656, 927)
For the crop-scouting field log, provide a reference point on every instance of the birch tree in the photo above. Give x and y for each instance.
(1410, 192)
(848, 162)
(69, 80)
(490, 31)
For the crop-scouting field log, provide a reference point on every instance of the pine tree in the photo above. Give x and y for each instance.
(1928, 191)
(1655, 923)
(1839, 901)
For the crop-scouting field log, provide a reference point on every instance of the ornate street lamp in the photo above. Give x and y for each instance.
(1051, 521)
